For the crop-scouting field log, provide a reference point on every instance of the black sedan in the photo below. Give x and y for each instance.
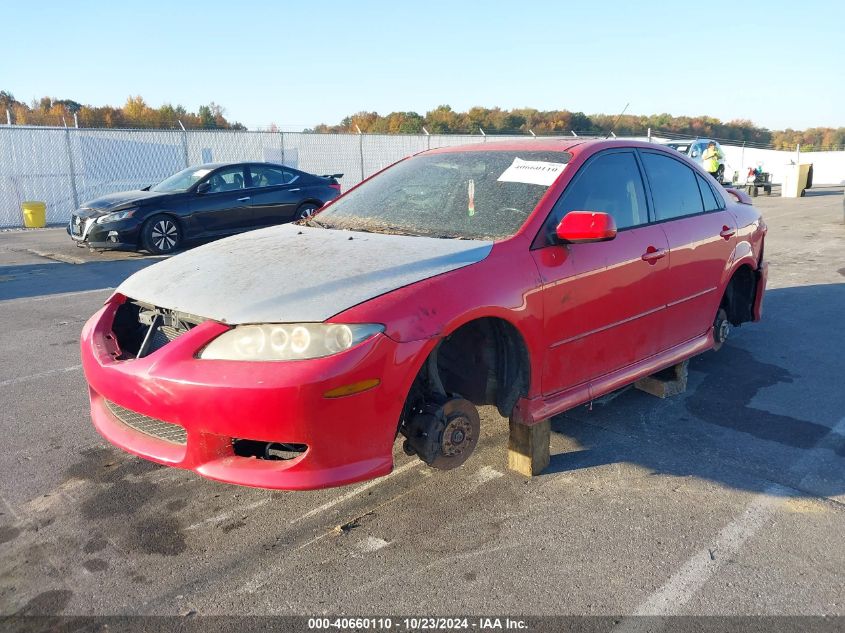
(202, 202)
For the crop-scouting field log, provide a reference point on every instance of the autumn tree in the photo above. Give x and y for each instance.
(135, 113)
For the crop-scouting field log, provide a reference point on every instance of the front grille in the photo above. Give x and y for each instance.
(166, 431)
(162, 335)
(142, 329)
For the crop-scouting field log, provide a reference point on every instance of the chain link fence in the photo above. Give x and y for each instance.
(66, 167)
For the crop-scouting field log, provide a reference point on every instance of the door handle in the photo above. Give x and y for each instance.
(244, 199)
(652, 254)
(727, 232)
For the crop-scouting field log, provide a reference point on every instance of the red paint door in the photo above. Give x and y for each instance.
(603, 302)
(701, 237)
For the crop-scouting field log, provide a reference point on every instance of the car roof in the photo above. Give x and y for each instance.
(245, 162)
(573, 145)
(690, 141)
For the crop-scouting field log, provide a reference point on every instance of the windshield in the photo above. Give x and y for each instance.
(464, 195)
(181, 181)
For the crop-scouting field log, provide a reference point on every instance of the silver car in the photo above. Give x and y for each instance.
(694, 149)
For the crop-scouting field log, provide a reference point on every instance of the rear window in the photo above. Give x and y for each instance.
(465, 195)
(711, 203)
(673, 186)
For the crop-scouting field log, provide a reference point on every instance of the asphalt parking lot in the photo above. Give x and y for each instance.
(727, 499)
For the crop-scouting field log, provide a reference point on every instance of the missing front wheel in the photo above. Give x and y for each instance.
(443, 435)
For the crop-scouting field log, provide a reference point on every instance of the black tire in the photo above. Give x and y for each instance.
(306, 210)
(720, 174)
(754, 192)
(161, 235)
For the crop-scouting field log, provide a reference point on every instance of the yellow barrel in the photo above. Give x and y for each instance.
(34, 214)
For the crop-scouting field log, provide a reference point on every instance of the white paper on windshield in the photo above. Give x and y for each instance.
(532, 172)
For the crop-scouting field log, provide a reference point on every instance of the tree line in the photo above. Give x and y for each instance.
(444, 120)
(135, 113)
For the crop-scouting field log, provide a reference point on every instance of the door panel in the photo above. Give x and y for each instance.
(603, 305)
(701, 239)
(699, 257)
(603, 302)
(275, 192)
(225, 207)
(275, 205)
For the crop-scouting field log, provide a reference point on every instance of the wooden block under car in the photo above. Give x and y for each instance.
(528, 447)
(668, 382)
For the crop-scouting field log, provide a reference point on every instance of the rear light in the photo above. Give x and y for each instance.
(335, 186)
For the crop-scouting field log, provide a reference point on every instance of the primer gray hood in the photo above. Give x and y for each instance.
(289, 274)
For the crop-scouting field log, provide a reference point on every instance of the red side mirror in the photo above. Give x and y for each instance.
(586, 226)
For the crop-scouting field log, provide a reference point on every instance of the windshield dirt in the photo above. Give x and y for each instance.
(484, 195)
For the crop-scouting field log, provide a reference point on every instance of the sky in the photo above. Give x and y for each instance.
(297, 64)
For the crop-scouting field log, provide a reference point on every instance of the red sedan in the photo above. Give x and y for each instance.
(532, 275)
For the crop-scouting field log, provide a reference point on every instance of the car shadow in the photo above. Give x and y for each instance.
(743, 422)
(35, 280)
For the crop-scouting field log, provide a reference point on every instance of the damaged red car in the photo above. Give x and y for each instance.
(531, 275)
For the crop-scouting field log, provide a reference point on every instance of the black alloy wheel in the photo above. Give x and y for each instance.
(161, 235)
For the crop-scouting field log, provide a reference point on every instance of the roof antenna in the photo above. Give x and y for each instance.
(612, 127)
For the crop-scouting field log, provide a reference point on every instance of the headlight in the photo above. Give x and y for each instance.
(116, 216)
(287, 341)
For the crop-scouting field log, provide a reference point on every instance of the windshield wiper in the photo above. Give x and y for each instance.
(386, 229)
(313, 222)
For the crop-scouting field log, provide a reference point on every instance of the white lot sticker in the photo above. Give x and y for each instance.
(532, 172)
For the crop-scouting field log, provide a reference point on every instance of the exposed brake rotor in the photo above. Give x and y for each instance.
(721, 329)
(443, 435)
(460, 435)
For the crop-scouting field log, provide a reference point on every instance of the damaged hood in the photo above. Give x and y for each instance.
(289, 274)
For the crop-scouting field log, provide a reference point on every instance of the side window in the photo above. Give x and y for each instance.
(610, 183)
(696, 150)
(265, 176)
(228, 179)
(711, 203)
(673, 186)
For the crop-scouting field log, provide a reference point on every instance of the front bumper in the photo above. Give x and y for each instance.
(348, 438)
(762, 273)
(122, 235)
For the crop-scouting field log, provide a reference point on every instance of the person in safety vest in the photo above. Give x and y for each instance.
(710, 159)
